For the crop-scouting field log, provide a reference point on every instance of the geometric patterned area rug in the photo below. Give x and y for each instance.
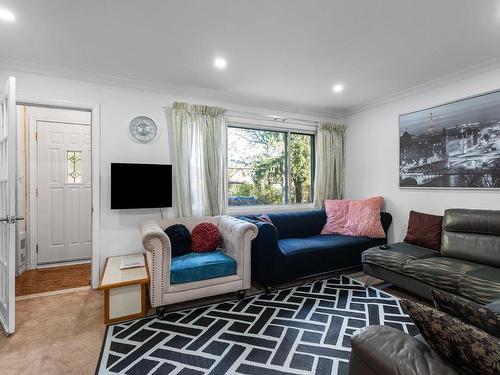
(300, 330)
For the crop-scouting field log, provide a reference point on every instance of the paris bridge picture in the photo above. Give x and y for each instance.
(454, 145)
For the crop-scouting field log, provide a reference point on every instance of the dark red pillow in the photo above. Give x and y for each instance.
(205, 237)
(424, 230)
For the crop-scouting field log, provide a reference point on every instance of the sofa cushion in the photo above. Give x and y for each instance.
(472, 235)
(424, 230)
(205, 237)
(469, 348)
(180, 239)
(201, 266)
(397, 256)
(442, 272)
(468, 311)
(294, 246)
(481, 285)
(354, 217)
(298, 224)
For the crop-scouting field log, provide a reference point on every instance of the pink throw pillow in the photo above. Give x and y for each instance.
(354, 217)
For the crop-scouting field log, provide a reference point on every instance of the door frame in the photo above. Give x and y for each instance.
(95, 174)
(33, 186)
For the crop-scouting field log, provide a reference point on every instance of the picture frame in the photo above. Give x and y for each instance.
(455, 145)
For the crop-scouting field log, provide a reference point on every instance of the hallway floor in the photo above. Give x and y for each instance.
(45, 280)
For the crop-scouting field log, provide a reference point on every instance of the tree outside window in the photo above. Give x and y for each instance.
(267, 167)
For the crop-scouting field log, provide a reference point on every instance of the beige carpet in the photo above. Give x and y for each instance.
(55, 335)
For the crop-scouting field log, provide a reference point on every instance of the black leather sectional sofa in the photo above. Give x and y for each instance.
(467, 265)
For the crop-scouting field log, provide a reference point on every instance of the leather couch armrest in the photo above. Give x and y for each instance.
(383, 350)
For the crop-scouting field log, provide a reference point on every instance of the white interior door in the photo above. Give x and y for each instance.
(8, 205)
(64, 192)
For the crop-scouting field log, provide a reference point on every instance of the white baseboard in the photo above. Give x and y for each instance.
(72, 263)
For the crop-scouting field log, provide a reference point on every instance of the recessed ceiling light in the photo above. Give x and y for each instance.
(220, 63)
(7, 15)
(338, 88)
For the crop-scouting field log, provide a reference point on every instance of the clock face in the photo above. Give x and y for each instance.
(143, 129)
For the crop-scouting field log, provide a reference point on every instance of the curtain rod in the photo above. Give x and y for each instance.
(260, 116)
(273, 118)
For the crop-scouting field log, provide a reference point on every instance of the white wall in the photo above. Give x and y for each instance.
(119, 229)
(372, 166)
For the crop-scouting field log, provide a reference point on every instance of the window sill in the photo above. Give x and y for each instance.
(243, 210)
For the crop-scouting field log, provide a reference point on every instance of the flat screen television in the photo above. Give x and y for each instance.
(141, 185)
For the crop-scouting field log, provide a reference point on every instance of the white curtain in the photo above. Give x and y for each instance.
(200, 147)
(330, 155)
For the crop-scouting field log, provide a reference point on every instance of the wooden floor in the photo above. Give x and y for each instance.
(51, 279)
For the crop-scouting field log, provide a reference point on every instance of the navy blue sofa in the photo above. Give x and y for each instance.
(292, 247)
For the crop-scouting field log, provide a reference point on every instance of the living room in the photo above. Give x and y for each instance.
(310, 105)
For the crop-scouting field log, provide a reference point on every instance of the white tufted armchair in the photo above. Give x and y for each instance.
(237, 236)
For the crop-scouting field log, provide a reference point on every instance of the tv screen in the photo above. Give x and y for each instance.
(141, 185)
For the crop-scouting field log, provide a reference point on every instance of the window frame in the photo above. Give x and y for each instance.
(287, 206)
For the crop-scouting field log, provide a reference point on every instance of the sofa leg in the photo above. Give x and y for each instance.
(160, 312)
(241, 294)
(268, 289)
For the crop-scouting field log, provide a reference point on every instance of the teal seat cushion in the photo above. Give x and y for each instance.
(201, 266)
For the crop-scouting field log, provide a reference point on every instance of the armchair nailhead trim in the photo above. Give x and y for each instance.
(160, 272)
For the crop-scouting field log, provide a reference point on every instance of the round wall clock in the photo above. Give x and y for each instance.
(143, 129)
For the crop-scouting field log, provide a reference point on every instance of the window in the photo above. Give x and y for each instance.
(269, 167)
(74, 174)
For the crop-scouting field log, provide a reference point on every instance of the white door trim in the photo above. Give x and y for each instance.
(96, 179)
(9, 167)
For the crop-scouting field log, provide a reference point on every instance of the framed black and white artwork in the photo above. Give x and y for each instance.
(453, 145)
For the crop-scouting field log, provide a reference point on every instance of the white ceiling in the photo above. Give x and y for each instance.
(286, 52)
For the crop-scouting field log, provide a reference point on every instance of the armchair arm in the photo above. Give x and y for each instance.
(158, 254)
(383, 350)
(237, 236)
(267, 257)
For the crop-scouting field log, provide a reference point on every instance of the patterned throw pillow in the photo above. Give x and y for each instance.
(468, 311)
(205, 237)
(467, 347)
(354, 217)
(180, 239)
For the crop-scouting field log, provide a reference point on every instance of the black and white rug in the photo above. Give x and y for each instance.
(301, 330)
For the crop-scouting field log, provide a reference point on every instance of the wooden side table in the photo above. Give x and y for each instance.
(124, 290)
